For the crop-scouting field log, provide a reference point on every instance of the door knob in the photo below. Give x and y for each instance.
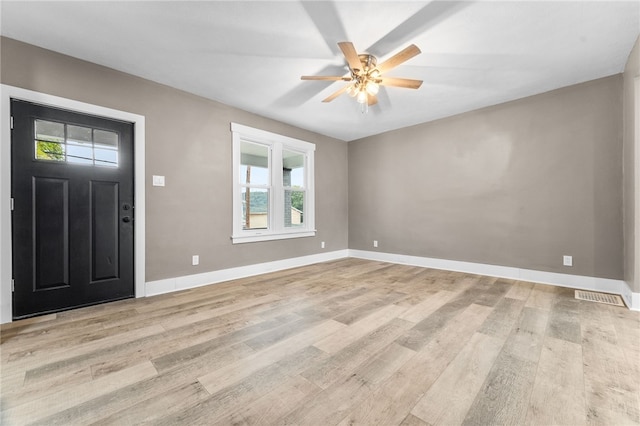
(126, 219)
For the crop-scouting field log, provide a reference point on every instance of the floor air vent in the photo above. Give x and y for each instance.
(592, 296)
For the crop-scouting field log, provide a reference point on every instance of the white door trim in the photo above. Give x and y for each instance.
(636, 188)
(10, 92)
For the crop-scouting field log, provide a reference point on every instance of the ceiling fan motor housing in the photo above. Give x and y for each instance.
(369, 62)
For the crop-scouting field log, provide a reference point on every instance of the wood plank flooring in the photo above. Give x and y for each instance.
(338, 343)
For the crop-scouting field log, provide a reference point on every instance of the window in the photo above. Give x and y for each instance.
(272, 186)
(67, 143)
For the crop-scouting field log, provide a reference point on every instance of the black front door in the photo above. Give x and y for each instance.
(72, 222)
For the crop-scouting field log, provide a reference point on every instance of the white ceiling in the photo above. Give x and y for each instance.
(251, 54)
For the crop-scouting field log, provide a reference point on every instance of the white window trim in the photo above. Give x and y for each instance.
(276, 143)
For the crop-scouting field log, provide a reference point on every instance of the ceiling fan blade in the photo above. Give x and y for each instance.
(350, 55)
(336, 94)
(400, 82)
(430, 16)
(400, 57)
(325, 16)
(325, 77)
(372, 100)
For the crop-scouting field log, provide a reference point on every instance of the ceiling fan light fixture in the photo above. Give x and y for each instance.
(372, 87)
(361, 98)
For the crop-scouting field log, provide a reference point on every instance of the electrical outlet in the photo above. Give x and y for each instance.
(195, 260)
(322, 244)
(567, 260)
(375, 243)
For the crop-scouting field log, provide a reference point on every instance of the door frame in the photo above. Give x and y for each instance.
(636, 191)
(10, 92)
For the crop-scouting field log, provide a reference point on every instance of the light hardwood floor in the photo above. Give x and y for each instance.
(338, 343)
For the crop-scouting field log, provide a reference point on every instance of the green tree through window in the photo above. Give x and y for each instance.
(49, 151)
(297, 199)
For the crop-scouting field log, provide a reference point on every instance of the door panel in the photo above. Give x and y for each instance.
(72, 223)
(51, 231)
(104, 231)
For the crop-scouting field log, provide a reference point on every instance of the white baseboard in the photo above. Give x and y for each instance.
(563, 280)
(197, 280)
(604, 285)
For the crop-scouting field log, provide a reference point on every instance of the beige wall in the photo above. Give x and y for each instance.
(632, 70)
(520, 184)
(188, 140)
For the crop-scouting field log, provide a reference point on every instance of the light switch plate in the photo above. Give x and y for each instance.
(158, 180)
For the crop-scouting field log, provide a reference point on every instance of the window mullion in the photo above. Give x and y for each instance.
(277, 219)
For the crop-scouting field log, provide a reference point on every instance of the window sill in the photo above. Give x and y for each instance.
(271, 237)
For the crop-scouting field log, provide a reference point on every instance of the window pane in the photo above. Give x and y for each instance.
(106, 156)
(79, 153)
(104, 137)
(292, 169)
(49, 131)
(254, 164)
(78, 134)
(79, 145)
(255, 208)
(293, 208)
(105, 148)
(49, 151)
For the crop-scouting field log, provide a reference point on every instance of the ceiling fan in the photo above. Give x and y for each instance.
(366, 75)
